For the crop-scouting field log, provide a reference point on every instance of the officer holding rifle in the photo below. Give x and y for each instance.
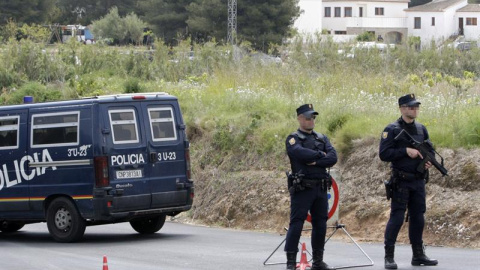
(310, 155)
(407, 183)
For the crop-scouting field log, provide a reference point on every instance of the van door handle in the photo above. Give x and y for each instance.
(153, 157)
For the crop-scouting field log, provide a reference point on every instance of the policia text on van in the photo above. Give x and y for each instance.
(94, 161)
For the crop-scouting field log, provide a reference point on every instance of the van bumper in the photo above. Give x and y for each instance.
(114, 208)
(171, 211)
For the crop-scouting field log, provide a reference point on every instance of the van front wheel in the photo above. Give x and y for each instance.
(64, 221)
(148, 225)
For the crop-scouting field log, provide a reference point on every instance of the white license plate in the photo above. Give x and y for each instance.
(129, 174)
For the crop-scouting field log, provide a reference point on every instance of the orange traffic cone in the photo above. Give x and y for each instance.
(105, 264)
(303, 264)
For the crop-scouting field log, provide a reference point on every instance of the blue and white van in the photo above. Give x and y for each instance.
(100, 160)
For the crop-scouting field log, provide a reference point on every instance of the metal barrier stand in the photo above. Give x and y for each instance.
(335, 227)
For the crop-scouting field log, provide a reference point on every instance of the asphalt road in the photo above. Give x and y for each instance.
(180, 246)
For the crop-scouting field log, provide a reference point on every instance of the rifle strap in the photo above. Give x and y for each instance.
(401, 125)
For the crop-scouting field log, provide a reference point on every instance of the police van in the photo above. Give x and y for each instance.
(100, 160)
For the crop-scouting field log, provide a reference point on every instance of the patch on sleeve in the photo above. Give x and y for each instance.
(384, 135)
(292, 141)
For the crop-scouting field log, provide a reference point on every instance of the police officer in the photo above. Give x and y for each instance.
(310, 154)
(408, 183)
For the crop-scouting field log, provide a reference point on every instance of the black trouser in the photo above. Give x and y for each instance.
(408, 194)
(314, 199)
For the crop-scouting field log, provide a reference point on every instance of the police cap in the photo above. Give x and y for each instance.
(307, 110)
(408, 100)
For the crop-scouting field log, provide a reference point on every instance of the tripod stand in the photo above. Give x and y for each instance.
(336, 227)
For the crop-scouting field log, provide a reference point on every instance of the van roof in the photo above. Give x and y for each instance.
(96, 99)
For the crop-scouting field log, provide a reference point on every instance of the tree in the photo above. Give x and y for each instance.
(134, 28)
(118, 29)
(168, 18)
(261, 22)
(110, 27)
(21, 11)
(414, 3)
(92, 9)
(208, 19)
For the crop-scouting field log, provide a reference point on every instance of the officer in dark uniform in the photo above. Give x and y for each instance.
(310, 154)
(408, 184)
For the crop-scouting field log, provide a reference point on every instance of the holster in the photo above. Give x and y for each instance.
(295, 182)
(329, 182)
(390, 185)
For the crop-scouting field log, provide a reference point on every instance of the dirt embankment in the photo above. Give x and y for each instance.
(258, 199)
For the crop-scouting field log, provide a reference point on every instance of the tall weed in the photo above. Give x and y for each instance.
(245, 101)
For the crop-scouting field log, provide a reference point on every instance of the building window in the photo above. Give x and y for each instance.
(338, 12)
(379, 11)
(340, 32)
(348, 12)
(328, 12)
(417, 23)
(433, 21)
(360, 12)
(471, 21)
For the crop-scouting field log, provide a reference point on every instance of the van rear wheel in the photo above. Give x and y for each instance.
(64, 221)
(9, 227)
(148, 225)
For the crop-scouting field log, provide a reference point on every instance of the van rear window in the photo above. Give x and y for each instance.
(124, 126)
(9, 132)
(55, 129)
(162, 124)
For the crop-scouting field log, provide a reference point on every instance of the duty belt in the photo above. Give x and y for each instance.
(314, 182)
(407, 176)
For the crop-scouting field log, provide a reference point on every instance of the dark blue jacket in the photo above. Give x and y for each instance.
(304, 148)
(395, 151)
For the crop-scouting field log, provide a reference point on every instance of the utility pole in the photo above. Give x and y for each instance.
(78, 11)
(232, 22)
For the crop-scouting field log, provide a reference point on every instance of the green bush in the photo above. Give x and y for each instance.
(366, 36)
(38, 91)
(132, 85)
(8, 78)
(336, 122)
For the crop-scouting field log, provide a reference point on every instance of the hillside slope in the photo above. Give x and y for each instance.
(257, 199)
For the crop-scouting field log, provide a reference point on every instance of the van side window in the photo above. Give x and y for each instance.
(55, 129)
(9, 127)
(124, 126)
(162, 124)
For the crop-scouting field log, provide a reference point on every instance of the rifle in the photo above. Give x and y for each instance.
(425, 149)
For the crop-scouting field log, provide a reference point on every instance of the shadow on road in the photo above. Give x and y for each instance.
(90, 238)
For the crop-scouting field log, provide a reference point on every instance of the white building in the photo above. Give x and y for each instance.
(310, 21)
(434, 20)
(467, 21)
(384, 18)
(392, 20)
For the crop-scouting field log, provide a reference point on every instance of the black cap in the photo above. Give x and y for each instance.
(408, 100)
(306, 109)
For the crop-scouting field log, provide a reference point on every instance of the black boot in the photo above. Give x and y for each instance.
(389, 254)
(419, 257)
(291, 260)
(318, 263)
